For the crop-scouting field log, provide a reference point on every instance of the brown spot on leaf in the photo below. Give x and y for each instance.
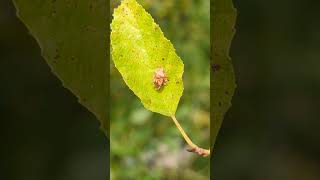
(215, 67)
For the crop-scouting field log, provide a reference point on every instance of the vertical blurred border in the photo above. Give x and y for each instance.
(108, 51)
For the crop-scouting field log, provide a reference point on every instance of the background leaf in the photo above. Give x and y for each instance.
(72, 37)
(138, 49)
(223, 16)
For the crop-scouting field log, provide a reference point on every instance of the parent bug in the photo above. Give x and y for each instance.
(159, 78)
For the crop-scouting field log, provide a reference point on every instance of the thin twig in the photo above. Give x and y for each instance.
(193, 148)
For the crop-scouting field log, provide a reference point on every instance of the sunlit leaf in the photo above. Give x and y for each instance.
(139, 48)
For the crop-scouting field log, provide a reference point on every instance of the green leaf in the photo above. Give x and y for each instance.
(72, 37)
(138, 49)
(223, 16)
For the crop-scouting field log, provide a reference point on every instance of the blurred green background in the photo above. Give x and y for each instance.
(270, 133)
(148, 145)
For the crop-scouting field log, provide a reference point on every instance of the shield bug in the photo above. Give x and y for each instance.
(159, 78)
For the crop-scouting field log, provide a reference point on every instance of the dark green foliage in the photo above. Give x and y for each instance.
(222, 77)
(72, 37)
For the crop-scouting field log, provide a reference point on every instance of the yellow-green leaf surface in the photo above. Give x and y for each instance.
(138, 49)
(73, 40)
(223, 16)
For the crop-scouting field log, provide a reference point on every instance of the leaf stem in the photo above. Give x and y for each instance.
(193, 147)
